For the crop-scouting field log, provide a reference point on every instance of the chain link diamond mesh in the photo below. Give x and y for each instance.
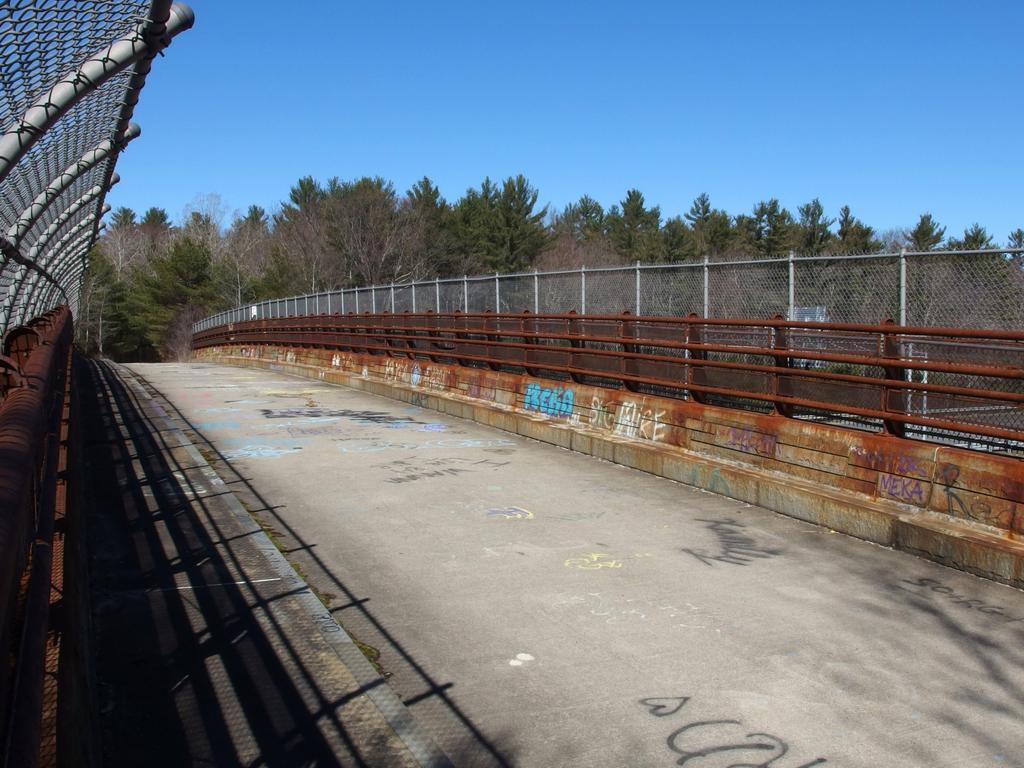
(44, 43)
(674, 291)
(957, 289)
(847, 290)
(973, 290)
(759, 289)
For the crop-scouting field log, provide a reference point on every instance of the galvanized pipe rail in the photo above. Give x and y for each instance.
(34, 389)
(962, 381)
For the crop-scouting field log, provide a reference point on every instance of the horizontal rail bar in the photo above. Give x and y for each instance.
(678, 357)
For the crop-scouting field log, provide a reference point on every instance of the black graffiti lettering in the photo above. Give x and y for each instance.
(725, 743)
(663, 707)
(363, 417)
(956, 598)
(688, 753)
(736, 547)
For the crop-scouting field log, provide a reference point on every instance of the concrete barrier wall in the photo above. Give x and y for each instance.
(959, 507)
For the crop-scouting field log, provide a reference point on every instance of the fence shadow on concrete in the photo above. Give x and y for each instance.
(468, 745)
(184, 676)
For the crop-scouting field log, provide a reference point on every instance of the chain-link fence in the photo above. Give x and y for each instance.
(962, 289)
(70, 75)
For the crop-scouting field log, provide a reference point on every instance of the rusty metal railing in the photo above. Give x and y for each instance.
(895, 378)
(34, 388)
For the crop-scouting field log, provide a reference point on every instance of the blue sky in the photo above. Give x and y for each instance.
(894, 108)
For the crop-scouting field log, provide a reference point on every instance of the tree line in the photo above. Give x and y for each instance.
(149, 280)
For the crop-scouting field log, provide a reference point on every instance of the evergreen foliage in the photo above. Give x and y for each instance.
(149, 280)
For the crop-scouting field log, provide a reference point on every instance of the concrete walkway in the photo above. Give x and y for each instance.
(536, 607)
(210, 649)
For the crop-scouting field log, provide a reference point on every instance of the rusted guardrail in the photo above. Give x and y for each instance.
(948, 380)
(34, 382)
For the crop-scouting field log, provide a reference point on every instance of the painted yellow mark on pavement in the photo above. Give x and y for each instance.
(593, 561)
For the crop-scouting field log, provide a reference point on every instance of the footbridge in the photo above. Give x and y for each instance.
(550, 534)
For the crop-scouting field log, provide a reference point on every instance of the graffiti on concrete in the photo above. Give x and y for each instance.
(751, 441)
(210, 425)
(411, 477)
(593, 561)
(957, 505)
(551, 401)
(429, 377)
(359, 445)
(908, 489)
(380, 418)
(734, 546)
(628, 418)
(719, 743)
(938, 588)
(433, 428)
(510, 513)
(260, 452)
(883, 461)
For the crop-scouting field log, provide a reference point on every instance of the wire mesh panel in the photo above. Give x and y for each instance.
(560, 292)
(70, 73)
(748, 289)
(451, 292)
(968, 290)
(403, 298)
(611, 291)
(426, 296)
(480, 293)
(517, 293)
(846, 290)
(674, 291)
(362, 301)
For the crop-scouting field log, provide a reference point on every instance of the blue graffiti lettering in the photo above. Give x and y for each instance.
(552, 402)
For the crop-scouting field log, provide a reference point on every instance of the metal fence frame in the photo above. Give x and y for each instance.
(69, 82)
(946, 383)
(565, 290)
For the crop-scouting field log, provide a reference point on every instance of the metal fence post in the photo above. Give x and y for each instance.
(707, 303)
(317, 303)
(792, 286)
(392, 298)
(497, 293)
(636, 308)
(536, 292)
(328, 302)
(373, 299)
(465, 293)
(903, 286)
(583, 290)
(343, 301)
(357, 300)
(412, 287)
(437, 294)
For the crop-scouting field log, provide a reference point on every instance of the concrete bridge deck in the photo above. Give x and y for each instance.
(536, 607)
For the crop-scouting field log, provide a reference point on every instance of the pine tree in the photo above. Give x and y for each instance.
(815, 232)
(926, 235)
(769, 232)
(520, 232)
(633, 228)
(975, 239)
(677, 242)
(711, 227)
(853, 235)
(582, 221)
